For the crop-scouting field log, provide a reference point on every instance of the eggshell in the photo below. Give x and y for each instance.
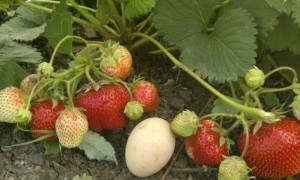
(149, 147)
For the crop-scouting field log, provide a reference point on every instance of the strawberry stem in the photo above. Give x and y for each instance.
(57, 2)
(50, 11)
(199, 79)
(113, 79)
(219, 114)
(60, 43)
(33, 141)
(295, 79)
(88, 75)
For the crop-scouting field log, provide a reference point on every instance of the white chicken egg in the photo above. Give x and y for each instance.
(149, 147)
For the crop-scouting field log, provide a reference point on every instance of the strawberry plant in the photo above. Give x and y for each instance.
(239, 44)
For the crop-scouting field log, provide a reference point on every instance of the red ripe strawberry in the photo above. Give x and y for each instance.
(44, 115)
(104, 108)
(146, 93)
(118, 63)
(274, 150)
(12, 100)
(204, 146)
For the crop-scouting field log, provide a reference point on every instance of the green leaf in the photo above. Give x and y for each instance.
(281, 5)
(136, 8)
(222, 55)
(285, 36)
(296, 13)
(184, 19)
(271, 100)
(82, 177)
(287, 59)
(52, 147)
(59, 26)
(13, 51)
(5, 4)
(102, 11)
(26, 26)
(265, 16)
(96, 147)
(221, 106)
(11, 74)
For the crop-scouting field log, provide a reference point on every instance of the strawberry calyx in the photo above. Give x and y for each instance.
(23, 115)
(134, 110)
(110, 54)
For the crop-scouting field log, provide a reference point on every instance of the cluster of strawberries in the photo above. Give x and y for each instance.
(52, 112)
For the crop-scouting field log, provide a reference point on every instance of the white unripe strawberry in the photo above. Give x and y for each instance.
(71, 126)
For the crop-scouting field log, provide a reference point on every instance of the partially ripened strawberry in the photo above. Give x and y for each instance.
(274, 150)
(29, 82)
(44, 115)
(204, 146)
(104, 108)
(116, 61)
(146, 93)
(71, 126)
(12, 100)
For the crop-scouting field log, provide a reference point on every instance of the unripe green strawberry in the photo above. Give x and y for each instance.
(134, 110)
(255, 78)
(233, 168)
(71, 126)
(44, 69)
(185, 124)
(296, 107)
(29, 82)
(12, 101)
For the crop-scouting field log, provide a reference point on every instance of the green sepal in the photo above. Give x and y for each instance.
(23, 115)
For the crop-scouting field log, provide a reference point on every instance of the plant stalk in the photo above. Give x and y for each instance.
(196, 77)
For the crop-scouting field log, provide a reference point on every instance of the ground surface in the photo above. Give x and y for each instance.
(177, 92)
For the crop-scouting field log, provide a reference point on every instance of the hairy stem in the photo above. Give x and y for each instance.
(69, 4)
(96, 23)
(49, 11)
(60, 43)
(196, 77)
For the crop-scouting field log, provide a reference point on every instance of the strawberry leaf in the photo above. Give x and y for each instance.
(11, 74)
(96, 147)
(59, 26)
(281, 5)
(13, 51)
(286, 36)
(102, 12)
(296, 13)
(223, 52)
(136, 8)
(221, 106)
(52, 147)
(265, 16)
(26, 26)
(5, 4)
